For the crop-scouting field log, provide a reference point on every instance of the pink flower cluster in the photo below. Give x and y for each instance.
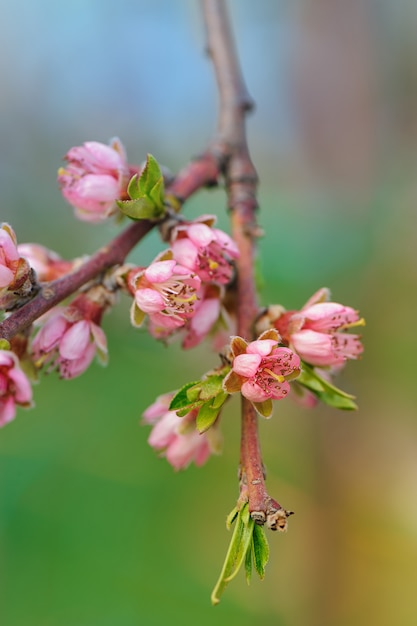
(183, 287)
(261, 370)
(175, 437)
(15, 388)
(318, 332)
(70, 338)
(95, 177)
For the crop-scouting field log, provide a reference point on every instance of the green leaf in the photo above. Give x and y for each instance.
(146, 192)
(248, 564)
(4, 344)
(260, 549)
(236, 554)
(338, 401)
(138, 209)
(133, 188)
(206, 417)
(219, 400)
(150, 177)
(181, 399)
(326, 391)
(188, 408)
(231, 517)
(309, 374)
(211, 386)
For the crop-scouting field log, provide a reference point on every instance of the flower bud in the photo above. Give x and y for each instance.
(95, 177)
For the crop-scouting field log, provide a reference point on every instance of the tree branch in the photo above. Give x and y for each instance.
(241, 181)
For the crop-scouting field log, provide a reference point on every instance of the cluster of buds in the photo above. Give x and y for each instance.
(71, 336)
(177, 438)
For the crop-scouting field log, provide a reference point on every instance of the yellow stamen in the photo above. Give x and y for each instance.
(277, 377)
(360, 322)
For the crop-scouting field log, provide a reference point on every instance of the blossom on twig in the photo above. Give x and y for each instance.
(15, 388)
(261, 370)
(318, 331)
(166, 292)
(71, 336)
(205, 250)
(177, 437)
(95, 177)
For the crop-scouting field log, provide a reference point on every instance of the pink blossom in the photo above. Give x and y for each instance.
(15, 388)
(95, 177)
(13, 269)
(318, 331)
(205, 250)
(261, 370)
(177, 437)
(69, 340)
(47, 264)
(206, 314)
(166, 292)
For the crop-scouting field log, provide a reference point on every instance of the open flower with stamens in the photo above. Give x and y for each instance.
(15, 388)
(205, 250)
(318, 332)
(177, 438)
(71, 336)
(166, 292)
(261, 370)
(95, 177)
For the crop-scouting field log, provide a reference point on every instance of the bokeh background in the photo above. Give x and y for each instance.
(95, 530)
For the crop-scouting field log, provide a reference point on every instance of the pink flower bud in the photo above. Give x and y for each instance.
(9, 257)
(15, 388)
(95, 177)
(176, 437)
(205, 250)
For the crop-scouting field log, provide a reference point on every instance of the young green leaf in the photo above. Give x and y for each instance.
(260, 550)
(181, 399)
(206, 417)
(236, 554)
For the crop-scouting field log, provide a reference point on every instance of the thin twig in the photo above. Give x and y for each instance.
(241, 181)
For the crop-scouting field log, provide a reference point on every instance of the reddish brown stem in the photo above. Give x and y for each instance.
(241, 180)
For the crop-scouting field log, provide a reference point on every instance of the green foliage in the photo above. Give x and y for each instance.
(324, 390)
(146, 192)
(206, 395)
(248, 545)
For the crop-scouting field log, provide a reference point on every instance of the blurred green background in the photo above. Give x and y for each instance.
(95, 530)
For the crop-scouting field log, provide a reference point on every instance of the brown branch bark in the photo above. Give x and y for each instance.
(241, 181)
